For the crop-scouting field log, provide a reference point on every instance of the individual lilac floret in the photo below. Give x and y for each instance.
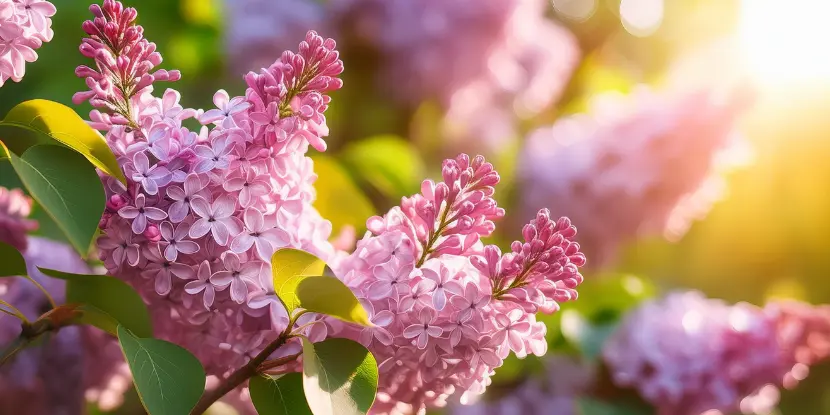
(687, 354)
(203, 211)
(634, 166)
(24, 26)
(447, 309)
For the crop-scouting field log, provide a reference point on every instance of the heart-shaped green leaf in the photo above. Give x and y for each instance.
(12, 263)
(41, 121)
(339, 199)
(169, 379)
(67, 187)
(340, 377)
(389, 163)
(328, 295)
(106, 302)
(288, 267)
(281, 395)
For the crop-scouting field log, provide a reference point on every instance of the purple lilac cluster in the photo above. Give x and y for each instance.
(640, 165)
(687, 354)
(74, 364)
(446, 308)
(24, 26)
(258, 30)
(203, 211)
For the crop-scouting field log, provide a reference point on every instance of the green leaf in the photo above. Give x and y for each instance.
(168, 378)
(389, 163)
(340, 377)
(67, 187)
(328, 295)
(288, 267)
(338, 198)
(12, 263)
(107, 302)
(40, 121)
(279, 395)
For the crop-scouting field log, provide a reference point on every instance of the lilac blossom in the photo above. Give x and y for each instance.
(687, 354)
(642, 165)
(24, 26)
(453, 307)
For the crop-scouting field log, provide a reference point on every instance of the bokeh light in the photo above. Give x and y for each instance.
(785, 41)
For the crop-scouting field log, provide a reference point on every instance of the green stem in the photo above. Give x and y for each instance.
(43, 290)
(17, 313)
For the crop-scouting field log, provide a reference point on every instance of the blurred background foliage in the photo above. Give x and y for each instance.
(769, 238)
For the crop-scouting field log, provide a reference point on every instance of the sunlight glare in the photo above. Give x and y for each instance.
(785, 40)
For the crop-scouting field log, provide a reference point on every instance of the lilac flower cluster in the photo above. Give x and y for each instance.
(639, 165)
(687, 354)
(24, 26)
(74, 363)
(447, 309)
(202, 212)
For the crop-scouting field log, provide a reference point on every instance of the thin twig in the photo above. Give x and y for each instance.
(245, 372)
(17, 313)
(270, 364)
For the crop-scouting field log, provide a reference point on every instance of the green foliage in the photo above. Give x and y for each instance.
(281, 395)
(40, 121)
(339, 377)
(338, 197)
(299, 284)
(106, 302)
(66, 186)
(288, 267)
(388, 163)
(11, 261)
(328, 295)
(168, 378)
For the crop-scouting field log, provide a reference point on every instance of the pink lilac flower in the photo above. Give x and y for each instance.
(203, 211)
(24, 26)
(687, 354)
(634, 166)
(449, 308)
(14, 225)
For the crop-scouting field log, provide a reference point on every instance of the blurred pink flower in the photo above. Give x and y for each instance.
(634, 166)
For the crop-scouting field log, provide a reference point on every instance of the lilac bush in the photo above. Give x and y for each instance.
(203, 212)
(24, 26)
